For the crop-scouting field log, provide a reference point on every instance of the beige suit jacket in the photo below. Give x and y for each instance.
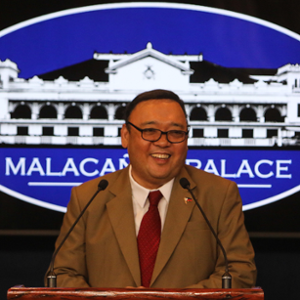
(102, 249)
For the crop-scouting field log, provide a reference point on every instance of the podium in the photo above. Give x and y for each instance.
(22, 293)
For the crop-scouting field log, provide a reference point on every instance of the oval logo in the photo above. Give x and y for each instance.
(123, 49)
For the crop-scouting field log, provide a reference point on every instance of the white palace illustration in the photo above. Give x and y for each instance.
(83, 104)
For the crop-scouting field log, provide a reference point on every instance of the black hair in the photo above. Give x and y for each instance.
(152, 95)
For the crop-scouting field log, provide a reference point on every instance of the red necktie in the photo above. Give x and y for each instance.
(149, 238)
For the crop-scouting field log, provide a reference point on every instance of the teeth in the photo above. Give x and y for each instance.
(164, 156)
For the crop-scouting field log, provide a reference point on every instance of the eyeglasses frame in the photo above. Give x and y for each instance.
(161, 133)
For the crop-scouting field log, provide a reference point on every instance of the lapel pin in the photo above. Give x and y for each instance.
(187, 199)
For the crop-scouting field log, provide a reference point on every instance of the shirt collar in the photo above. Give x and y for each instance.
(140, 194)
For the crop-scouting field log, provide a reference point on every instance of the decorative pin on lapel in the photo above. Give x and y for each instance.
(187, 199)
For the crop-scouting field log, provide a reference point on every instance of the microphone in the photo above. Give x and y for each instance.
(51, 277)
(226, 278)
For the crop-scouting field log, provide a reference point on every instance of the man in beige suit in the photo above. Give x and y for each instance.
(102, 250)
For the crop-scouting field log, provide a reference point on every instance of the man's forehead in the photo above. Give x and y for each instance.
(144, 108)
(148, 102)
(169, 123)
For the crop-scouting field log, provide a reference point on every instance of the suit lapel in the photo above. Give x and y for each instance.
(176, 220)
(120, 213)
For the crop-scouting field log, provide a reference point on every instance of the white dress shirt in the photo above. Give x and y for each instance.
(141, 204)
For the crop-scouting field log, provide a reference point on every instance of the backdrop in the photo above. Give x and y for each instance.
(236, 44)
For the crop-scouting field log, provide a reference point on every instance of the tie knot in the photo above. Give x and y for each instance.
(154, 197)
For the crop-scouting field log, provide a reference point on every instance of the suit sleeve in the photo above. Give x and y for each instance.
(235, 239)
(70, 265)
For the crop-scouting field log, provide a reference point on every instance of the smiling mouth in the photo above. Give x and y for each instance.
(162, 156)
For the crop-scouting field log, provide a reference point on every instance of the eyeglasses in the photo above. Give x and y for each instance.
(153, 134)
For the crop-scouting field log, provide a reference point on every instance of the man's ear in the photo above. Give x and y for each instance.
(124, 136)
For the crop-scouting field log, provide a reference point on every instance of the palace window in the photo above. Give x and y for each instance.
(48, 131)
(223, 133)
(120, 113)
(198, 132)
(22, 111)
(22, 130)
(271, 133)
(247, 133)
(73, 112)
(98, 112)
(98, 131)
(198, 114)
(223, 114)
(73, 131)
(248, 115)
(273, 115)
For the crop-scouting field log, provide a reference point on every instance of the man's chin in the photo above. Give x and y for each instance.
(161, 178)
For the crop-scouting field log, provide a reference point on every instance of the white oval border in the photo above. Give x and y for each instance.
(272, 199)
(151, 5)
(31, 200)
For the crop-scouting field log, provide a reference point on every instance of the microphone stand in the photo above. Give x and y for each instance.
(51, 277)
(226, 278)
